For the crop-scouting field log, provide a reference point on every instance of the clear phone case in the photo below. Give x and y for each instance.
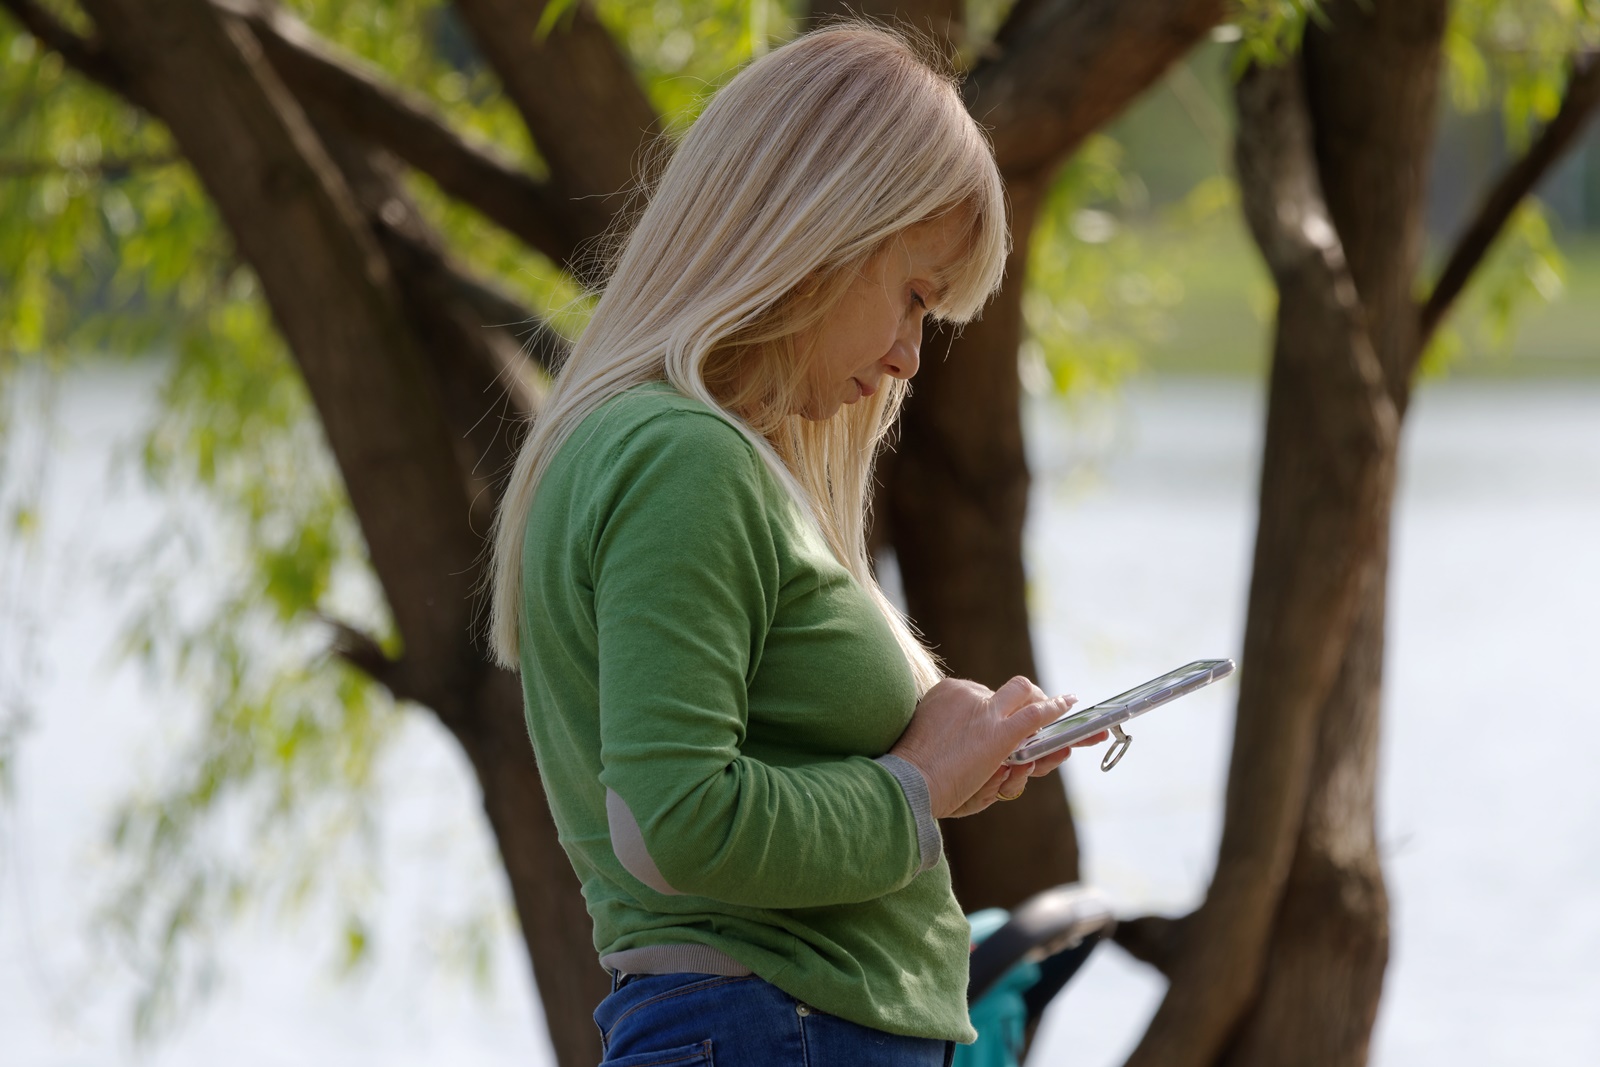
(1119, 709)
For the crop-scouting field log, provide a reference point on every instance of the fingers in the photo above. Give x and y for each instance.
(1034, 716)
(1007, 783)
(1015, 782)
(1047, 764)
(1095, 740)
(984, 796)
(962, 729)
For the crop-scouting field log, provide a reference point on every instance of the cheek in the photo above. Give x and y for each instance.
(867, 346)
(857, 334)
(876, 329)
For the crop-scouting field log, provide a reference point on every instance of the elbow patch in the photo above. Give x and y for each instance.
(627, 841)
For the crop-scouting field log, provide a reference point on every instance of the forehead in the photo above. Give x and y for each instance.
(936, 241)
(931, 247)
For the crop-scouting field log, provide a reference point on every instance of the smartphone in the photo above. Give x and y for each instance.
(1119, 709)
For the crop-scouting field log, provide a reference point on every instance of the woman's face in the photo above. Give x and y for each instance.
(875, 331)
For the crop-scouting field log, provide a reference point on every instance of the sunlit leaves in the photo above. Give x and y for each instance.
(683, 51)
(1514, 53)
(81, 166)
(1524, 269)
(267, 797)
(1268, 32)
(1095, 296)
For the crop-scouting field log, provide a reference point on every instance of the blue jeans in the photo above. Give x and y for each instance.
(708, 1020)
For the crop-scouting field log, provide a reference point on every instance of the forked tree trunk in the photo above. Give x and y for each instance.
(1330, 941)
(1372, 87)
(1284, 962)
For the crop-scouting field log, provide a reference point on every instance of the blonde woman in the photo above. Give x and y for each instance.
(744, 746)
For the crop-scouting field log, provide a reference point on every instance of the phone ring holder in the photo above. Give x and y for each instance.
(1118, 749)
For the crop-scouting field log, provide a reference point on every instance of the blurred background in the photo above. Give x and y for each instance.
(218, 840)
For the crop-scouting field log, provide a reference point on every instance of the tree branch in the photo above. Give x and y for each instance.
(577, 92)
(943, 21)
(86, 55)
(1518, 181)
(361, 651)
(333, 296)
(1015, 24)
(112, 167)
(1066, 67)
(356, 96)
(1153, 939)
(497, 309)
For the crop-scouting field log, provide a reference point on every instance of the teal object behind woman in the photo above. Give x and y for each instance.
(1001, 1016)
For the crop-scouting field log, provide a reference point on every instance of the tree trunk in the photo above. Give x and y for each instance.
(390, 423)
(1330, 942)
(550, 909)
(1372, 94)
(1284, 962)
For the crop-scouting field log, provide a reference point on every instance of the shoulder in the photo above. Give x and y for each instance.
(656, 430)
(670, 477)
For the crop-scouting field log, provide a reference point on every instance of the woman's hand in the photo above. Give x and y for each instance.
(960, 734)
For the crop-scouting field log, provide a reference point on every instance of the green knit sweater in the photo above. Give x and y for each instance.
(695, 660)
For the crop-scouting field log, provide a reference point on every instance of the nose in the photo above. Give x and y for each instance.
(905, 356)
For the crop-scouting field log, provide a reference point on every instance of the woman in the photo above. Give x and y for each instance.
(744, 746)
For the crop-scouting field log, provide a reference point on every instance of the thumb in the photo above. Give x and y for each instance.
(1038, 715)
(1014, 695)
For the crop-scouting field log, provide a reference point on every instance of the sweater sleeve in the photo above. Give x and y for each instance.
(686, 579)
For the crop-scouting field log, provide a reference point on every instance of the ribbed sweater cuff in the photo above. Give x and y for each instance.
(916, 789)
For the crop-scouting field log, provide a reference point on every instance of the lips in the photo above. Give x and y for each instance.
(864, 390)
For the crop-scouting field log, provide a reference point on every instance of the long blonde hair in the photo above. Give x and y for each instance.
(808, 162)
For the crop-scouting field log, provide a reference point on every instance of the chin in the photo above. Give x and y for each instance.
(817, 409)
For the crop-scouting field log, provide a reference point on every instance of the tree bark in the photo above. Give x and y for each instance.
(1063, 68)
(1330, 940)
(1372, 83)
(1327, 474)
(387, 417)
(1288, 952)
(555, 922)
